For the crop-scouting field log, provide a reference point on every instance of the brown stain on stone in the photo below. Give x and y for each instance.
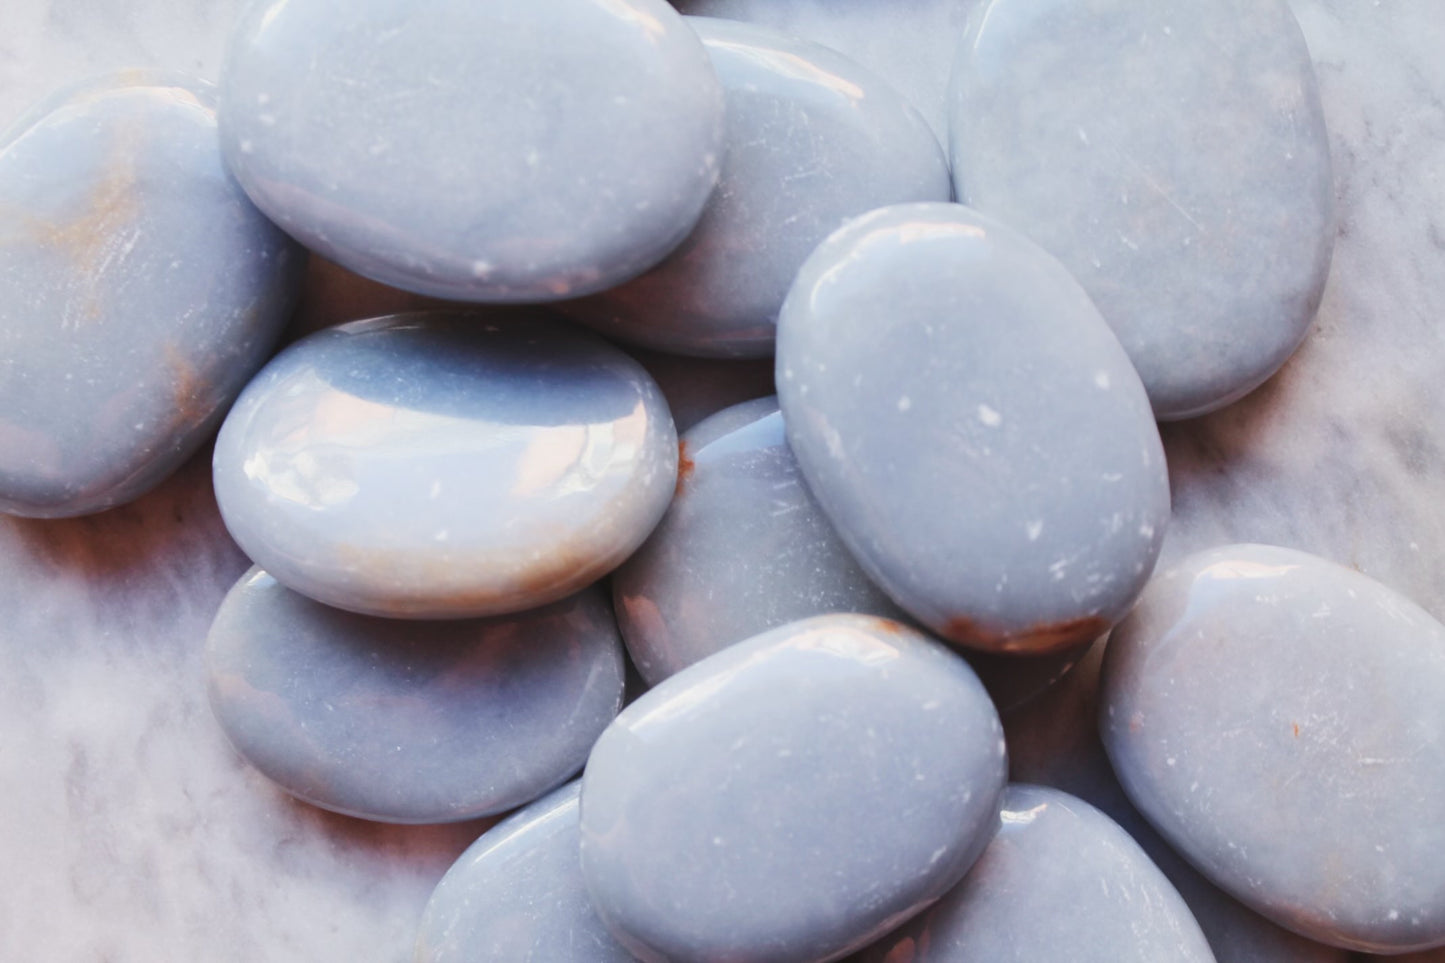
(1038, 639)
(190, 392)
(1295, 727)
(685, 466)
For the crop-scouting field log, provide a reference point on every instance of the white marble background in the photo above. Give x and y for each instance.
(130, 832)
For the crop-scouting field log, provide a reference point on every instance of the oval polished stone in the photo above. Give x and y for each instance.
(516, 896)
(1278, 719)
(793, 797)
(1060, 881)
(813, 139)
(1201, 218)
(742, 549)
(139, 290)
(445, 466)
(411, 722)
(972, 428)
(507, 151)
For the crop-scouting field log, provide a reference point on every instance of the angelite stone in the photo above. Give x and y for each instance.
(793, 797)
(445, 466)
(742, 549)
(506, 151)
(1054, 741)
(813, 139)
(405, 721)
(139, 291)
(1278, 719)
(1060, 881)
(1173, 155)
(516, 896)
(972, 428)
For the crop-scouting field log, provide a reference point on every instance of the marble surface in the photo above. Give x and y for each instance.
(131, 831)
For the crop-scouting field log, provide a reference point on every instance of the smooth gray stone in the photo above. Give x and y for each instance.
(1060, 881)
(697, 388)
(813, 139)
(972, 428)
(445, 466)
(506, 151)
(139, 290)
(1054, 741)
(793, 797)
(1173, 154)
(516, 896)
(411, 722)
(1278, 719)
(742, 549)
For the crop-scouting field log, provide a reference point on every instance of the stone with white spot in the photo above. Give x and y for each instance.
(445, 465)
(505, 151)
(139, 290)
(1016, 504)
(1279, 719)
(1199, 217)
(1060, 881)
(793, 797)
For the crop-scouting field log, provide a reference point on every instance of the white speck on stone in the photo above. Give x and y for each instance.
(1034, 530)
(1101, 380)
(989, 417)
(1170, 761)
(481, 269)
(1083, 137)
(442, 535)
(1392, 915)
(247, 147)
(905, 403)
(1146, 530)
(717, 840)
(436, 489)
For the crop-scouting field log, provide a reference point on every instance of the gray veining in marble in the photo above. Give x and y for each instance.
(1278, 719)
(139, 290)
(812, 139)
(743, 548)
(1060, 881)
(972, 428)
(514, 150)
(406, 721)
(516, 896)
(444, 465)
(1173, 154)
(791, 798)
(1054, 741)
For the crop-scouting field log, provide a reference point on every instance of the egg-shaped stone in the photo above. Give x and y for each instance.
(793, 797)
(516, 896)
(139, 290)
(972, 428)
(743, 548)
(445, 466)
(503, 151)
(1279, 719)
(812, 139)
(1060, 881)
(406, 721)
(1174, 156)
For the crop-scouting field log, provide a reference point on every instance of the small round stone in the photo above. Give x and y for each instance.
(813, 139)
(1173, 155)
(972, 428)
(505, 151)
(516, 896)
(139, 290)
(742, 549)
(1060, 881)
(793, 797)
(445, 466)
(411, 722)
(1278, 719)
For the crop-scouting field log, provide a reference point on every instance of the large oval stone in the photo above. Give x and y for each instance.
(516, 896)
(742, 549)
(1279, 719)
(1060, 881)
(792, 797)
(972, 428)
(813, 139)
(512, 150)
(411, 722)
(1174, 156)
(445, 466)
(139, 290)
